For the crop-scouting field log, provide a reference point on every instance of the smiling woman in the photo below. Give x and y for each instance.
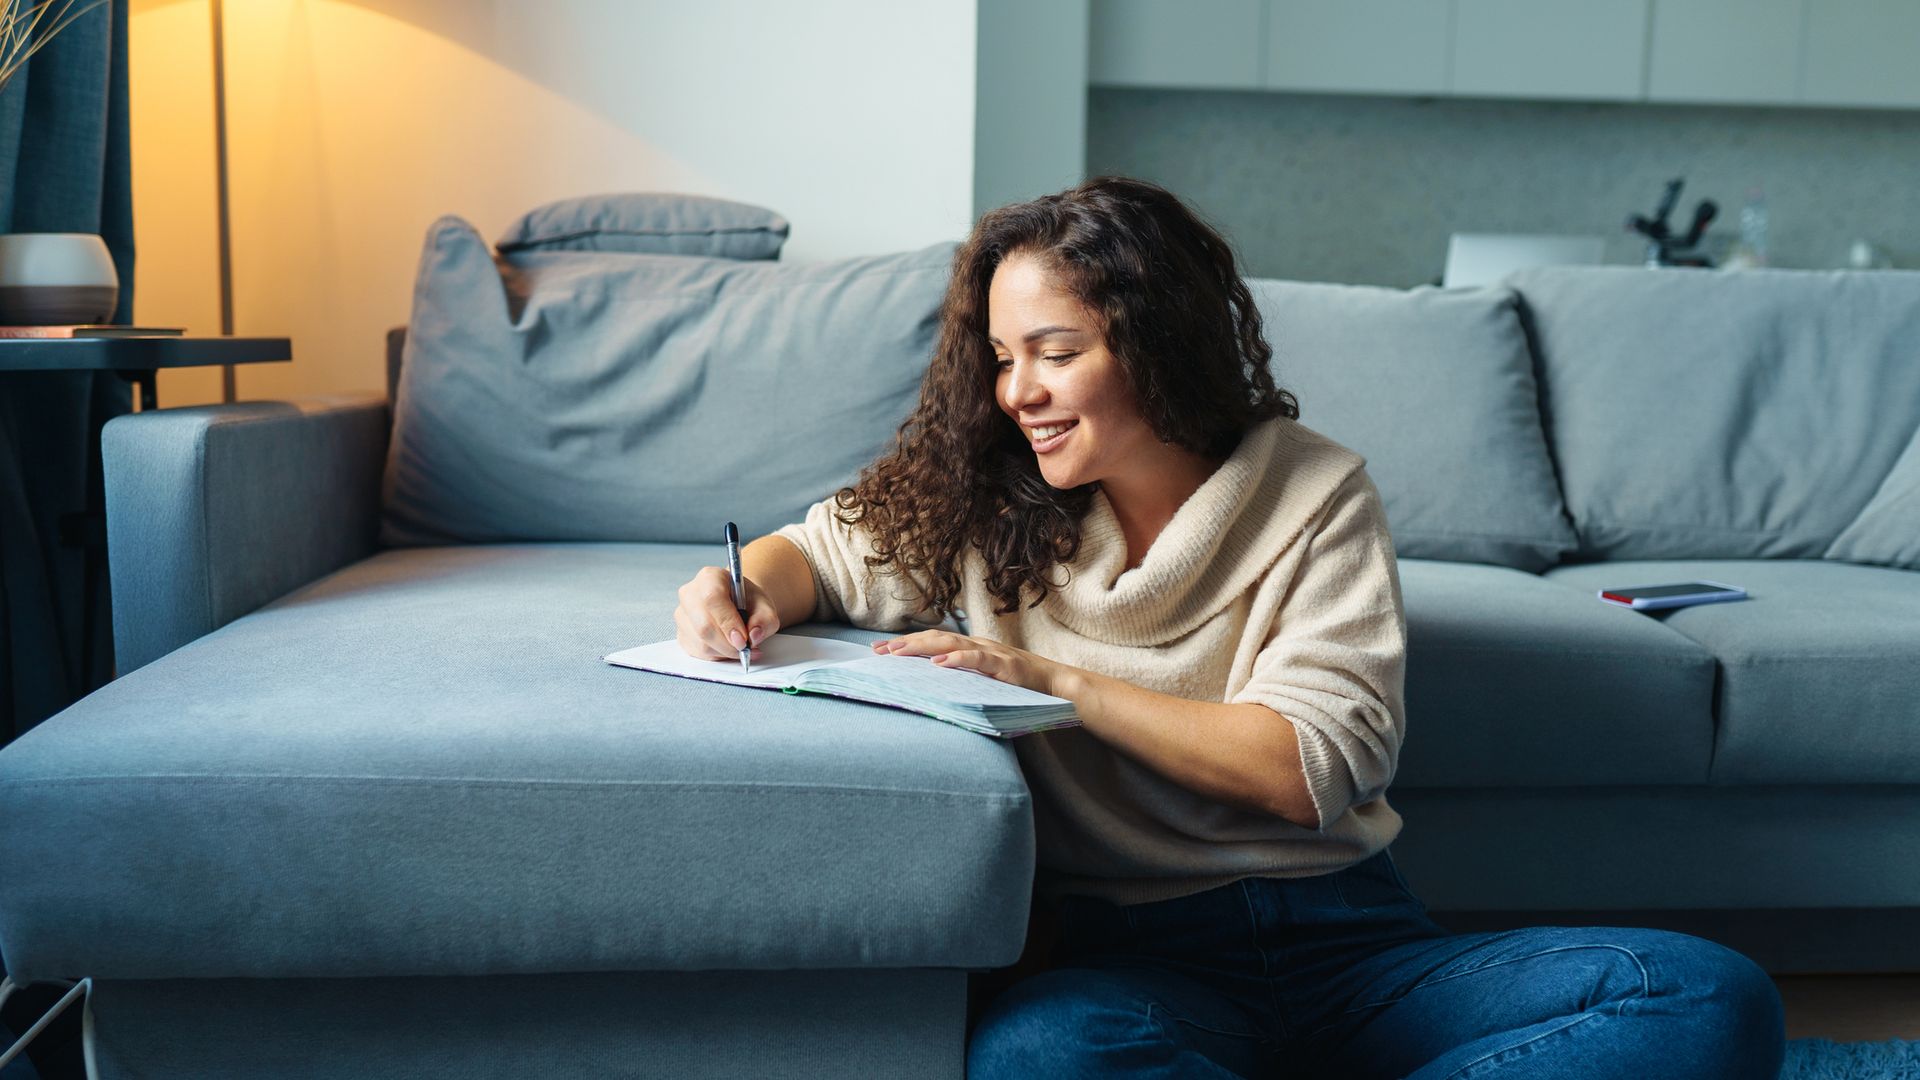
(1058, 313)
(1212, 841)
(1077, 403)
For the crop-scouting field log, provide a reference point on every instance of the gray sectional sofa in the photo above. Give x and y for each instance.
(364, 800)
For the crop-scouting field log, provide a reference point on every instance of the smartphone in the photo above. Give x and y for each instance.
(1646, 597)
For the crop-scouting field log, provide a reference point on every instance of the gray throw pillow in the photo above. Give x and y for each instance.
(1435, 388)
(1723, 415)
(577, 395)
(651, 223)
(1887, 532)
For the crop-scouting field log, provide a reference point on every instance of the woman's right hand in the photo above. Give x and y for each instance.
(706, 623)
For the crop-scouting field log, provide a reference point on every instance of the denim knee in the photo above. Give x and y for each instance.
(1737, 1000)
(1732, 1011)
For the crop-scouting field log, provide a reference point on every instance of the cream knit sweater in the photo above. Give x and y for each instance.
(1274, 583)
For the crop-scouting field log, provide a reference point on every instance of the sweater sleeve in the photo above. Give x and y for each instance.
(1334, 662)
(845, 588)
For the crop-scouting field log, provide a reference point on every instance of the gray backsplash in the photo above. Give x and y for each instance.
(1366, 190)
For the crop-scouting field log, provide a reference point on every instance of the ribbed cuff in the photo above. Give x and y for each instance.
(1329, 780)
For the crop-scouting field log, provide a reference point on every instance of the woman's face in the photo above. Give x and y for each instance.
(1055, 371)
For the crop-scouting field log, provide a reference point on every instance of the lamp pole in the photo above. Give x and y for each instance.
(220, 181)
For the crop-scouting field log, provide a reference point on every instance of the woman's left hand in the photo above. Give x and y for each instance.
(1003, 662)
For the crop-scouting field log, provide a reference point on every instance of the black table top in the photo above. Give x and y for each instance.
(138, 353)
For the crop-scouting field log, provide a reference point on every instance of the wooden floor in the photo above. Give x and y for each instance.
(1851, 1008)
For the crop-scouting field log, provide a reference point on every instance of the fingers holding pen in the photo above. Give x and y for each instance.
(740, 634)
(762, 619)
(707, 624)
(759, 621)
(700, 635)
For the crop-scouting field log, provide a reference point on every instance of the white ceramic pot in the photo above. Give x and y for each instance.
(56, 278)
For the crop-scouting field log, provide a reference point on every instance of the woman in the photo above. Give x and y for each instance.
(1102, 472)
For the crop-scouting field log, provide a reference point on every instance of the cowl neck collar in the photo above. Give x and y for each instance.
(1221, 541)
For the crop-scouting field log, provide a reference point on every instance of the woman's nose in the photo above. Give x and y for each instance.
(1023, 387)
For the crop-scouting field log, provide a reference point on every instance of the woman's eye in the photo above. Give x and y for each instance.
(1004, 363)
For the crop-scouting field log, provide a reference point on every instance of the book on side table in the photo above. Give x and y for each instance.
(799, 663)
(90, 330)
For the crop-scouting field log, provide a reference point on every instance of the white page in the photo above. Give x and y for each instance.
(782, 658)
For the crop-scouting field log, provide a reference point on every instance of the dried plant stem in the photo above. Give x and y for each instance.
(18, 43)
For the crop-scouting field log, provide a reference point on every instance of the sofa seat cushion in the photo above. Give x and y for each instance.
(1819, 667)
(420, 765)
(1517, 681)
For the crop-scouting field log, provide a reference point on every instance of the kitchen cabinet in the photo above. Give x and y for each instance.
(1198, 44)
(1593, 50)
(1744, 52)
(1846, 53)
(1358, 46)
(1862, 52)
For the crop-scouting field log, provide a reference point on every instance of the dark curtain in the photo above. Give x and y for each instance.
(63, 168)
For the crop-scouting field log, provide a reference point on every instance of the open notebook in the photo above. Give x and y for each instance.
(797, 662)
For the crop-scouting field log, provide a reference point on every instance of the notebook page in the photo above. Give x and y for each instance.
(782, 658)
(918, 678)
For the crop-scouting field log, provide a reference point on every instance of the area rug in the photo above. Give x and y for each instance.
(1824, 1059)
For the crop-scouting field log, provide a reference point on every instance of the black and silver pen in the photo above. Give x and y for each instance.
(739, 594)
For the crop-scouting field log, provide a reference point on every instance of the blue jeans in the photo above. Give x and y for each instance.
(1344, 975)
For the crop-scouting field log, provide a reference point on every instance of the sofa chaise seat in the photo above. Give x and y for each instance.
(424, 754)
(419, 768)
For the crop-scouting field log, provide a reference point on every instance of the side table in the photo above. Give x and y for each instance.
(137, 360)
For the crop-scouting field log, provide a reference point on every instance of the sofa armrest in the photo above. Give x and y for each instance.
(214, 511)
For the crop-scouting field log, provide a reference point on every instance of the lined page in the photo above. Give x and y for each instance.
(918, 678)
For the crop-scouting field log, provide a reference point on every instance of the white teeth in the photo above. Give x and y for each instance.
(1042, 434)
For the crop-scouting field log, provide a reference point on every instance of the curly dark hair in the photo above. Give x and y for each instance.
(1174, 312)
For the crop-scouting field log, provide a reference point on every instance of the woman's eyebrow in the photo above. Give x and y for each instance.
(1036, 335)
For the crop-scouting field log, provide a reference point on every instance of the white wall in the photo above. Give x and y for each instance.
(353, 125)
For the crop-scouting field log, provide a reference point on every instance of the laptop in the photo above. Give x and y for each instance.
(1486, 258)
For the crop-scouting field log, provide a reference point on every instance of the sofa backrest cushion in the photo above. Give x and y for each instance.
(1435, 388)
(1887, 531)
(578, 395)
(649, 223)
(1705, 415)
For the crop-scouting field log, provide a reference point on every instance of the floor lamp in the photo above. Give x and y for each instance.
(220, 187)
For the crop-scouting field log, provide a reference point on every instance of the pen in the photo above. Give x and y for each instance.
(739, 594)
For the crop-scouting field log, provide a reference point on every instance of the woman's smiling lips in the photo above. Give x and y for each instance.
(1048, 445)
